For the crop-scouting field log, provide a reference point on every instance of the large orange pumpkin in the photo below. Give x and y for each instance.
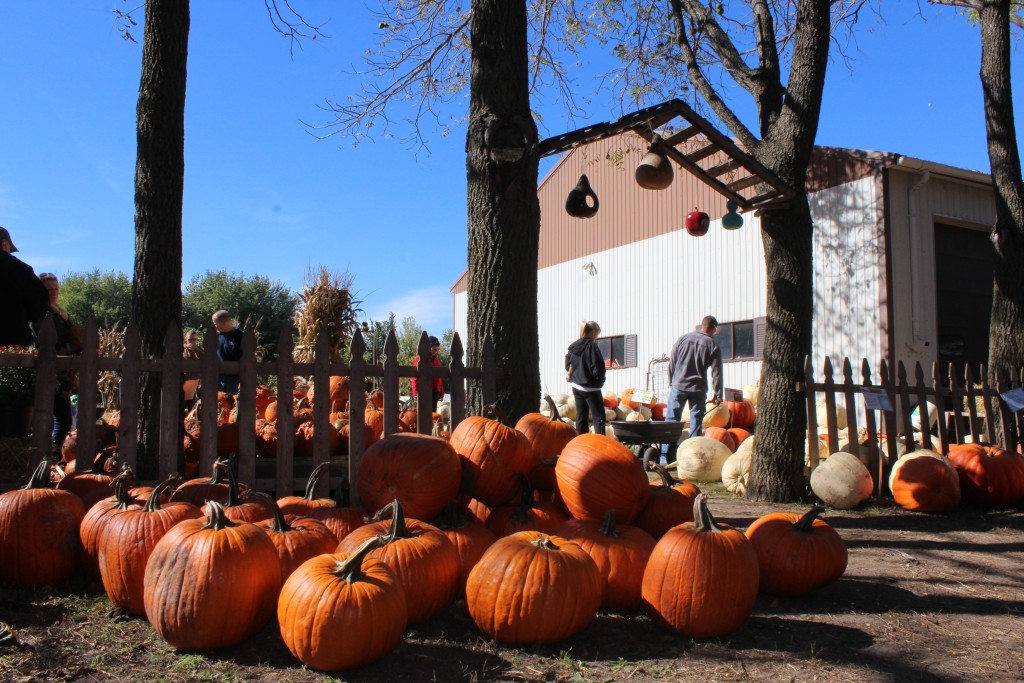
(425, 561)
(723, 436)
(211, 583)
(98, 515)
(297, 539)
(596, 474)
(796, 553)
(423, 472)
(702, 578)
(533, 588)
(620, 553)
(924, 481)
(547, 435)
(527, 515)
(199, 491)
(338, 393)
(468, 534)
(988, 474)
(301, 505)
(39, 531)
(128, 539)
(341, 517)
(493, 453)
(342, 611)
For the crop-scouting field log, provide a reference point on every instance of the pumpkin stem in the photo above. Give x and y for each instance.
(153, 504)
(40, 478)
(280, 524)
(314, 479)
(806, 523)
(215, 517)
(233, 499)
(666, 477)
(608, 527)
(398, 528)
(218, 467)
(554, 409)
(350, 569)
(451, 518)
(702, 516)
(122, 481)
(545, 543)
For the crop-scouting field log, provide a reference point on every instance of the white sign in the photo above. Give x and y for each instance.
(734, 395)
(1014, 399)
(875, 398)
(645, 397)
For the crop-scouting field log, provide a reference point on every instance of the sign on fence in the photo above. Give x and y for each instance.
(876, 398)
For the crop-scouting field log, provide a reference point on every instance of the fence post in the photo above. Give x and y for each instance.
(390, 384)
(940, 409)
(991, 404)
(170, 404)
(891, 435)
(356, 404)
(873, 458)
(830, 408)
(813, 455)
(457, 408)
(852, 433)
(46, 389)
(922, 406)
(285, 416)
(960, 429)
(128, 430)
(88, 377)
(425, 387)
(246, 405)
(321, 406)
(208, 404)
(904, 406)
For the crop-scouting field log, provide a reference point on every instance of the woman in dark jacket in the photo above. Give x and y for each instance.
(585, 369)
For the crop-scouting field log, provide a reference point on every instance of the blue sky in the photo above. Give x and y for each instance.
(264, 196)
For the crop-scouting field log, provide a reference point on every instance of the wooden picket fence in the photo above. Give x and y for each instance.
(285, 473)
(955, 401)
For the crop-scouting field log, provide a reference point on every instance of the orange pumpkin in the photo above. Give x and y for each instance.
(547, 435)
(620, 553)
(596, 474)
(528, 515)
(423, 472)
(742, 413)
(493, 453)
(988, 474)
(924, 481)
(796, 553)
(296, 538)
(669, 504)
(702, 578)
(627, 398)
(722, 436)
(468, 534)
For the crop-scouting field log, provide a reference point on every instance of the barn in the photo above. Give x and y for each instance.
(902, 265)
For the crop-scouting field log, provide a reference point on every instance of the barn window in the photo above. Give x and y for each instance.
(741, 340)
(618, 351)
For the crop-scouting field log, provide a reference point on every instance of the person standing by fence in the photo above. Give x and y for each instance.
(585, 368)
(25, 299)
(69, 343)
(437, 385)
(229, 348)
(692, 355)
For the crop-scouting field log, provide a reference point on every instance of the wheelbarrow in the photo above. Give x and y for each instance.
(650, 436)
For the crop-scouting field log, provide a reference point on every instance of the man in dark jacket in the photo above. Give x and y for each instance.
(692, 355)
(229, 348)
(25, 299)
(586, 369)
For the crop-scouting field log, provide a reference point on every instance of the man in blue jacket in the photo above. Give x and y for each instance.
(692, 355)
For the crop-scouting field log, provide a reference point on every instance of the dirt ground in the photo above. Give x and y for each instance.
(925, 598)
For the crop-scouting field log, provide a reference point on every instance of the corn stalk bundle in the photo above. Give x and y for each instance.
(327, 301)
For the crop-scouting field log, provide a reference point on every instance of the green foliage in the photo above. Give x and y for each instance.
(107, 296)
(17, 384)
(253, 301)
(407, 334)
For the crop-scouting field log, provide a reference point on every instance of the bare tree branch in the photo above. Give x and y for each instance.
(293, 26)
(703, 86)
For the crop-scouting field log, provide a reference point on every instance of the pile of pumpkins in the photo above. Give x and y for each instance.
(535, 527)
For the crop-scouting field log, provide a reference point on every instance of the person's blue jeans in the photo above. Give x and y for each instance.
(61, 419)
(677, 398)
(589, 402)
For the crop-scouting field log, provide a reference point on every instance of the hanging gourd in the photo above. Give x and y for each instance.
(655, 170)
(582, 200)
(697, 222)
(732, 220)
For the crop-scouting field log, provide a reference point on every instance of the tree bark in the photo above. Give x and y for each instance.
(503, 208)
(1006, 330)
(159, 184)
(777, 472)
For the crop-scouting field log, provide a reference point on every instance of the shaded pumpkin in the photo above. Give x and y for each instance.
(924, 481)
(296, 538)
(669, 504)
(210, 582)
(620, 553)
(422, 472)
(533, 588)
(127, 540)
(469, 535)
(199, 491)
(742, 413)
(95, 483)
(98, 514)
(343, 610)
(796, 553)
(989, 475)
(547, 435)
(341, 517)
(39, 543)
(527, 515)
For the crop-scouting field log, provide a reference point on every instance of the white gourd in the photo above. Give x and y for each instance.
(842, 481)
(700, 459)
(736, 471)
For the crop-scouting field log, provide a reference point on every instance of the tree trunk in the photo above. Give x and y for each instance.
(503, 209)
(1006, 331)
(159, 183)
(777, 472)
